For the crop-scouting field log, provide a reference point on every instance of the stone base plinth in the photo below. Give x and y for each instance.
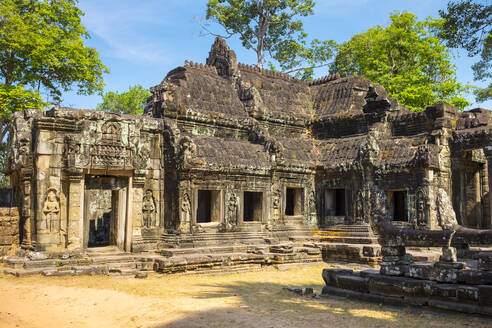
(371, 286)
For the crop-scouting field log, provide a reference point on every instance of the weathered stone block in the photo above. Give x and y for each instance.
(484, 262)
(353, 282)
(386, 285)
(485, 295)
(467, 294)
(448, 254)
(391, 269)
(393, 251)
(329, 275)
(444, 291)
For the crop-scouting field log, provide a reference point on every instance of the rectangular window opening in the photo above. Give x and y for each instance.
(335, 202)
(208, 207)
(294, 201)
(253, 206)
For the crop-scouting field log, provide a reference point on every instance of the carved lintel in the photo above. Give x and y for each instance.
(74, 178)
(138, 181)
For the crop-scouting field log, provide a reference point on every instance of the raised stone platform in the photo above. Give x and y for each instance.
(350, 243)
(216, 259)
(371, 286)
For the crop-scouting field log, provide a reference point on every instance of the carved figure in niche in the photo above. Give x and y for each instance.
(71, 145)
(276, 199)
(232, 209)
(140, 159)
(51, 210)
(312, 202)
(231, 215)
(185, 209)
(420, 213)
(188, 149)
(111, 131)
(359, 207)
(148, 209)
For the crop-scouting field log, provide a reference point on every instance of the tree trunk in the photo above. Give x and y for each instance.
(260, 58)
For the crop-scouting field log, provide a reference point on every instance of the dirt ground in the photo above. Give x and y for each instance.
(254, 299)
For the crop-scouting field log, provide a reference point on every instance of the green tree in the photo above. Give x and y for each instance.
(407, 58)
(468, 24)
(128, 102)
(42, 51)
(273, 27)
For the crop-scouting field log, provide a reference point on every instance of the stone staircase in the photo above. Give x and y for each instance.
(349, 243)
(95, 261)
(119, 264)
(234, 258)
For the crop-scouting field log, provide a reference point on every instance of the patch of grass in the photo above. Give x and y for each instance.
(260, 294)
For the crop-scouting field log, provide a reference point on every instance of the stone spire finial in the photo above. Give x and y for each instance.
(223, 58)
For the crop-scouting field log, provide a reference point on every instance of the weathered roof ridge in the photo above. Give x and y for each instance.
(269, 73)
(200, 66)
(325, 79)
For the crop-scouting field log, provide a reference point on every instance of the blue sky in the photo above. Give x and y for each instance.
(141, 41)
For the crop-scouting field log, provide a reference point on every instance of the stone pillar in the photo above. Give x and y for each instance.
(135, 212)
(26, 214)
(75, 226)
(488, 154)
(395, 261)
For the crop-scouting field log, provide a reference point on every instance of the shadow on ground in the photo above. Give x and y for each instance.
(264, 304)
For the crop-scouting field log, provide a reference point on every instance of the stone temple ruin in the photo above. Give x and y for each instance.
(236, 167)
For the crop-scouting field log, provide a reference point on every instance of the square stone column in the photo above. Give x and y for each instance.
(488, 154)
(75, 202)
(134, 216)
(26, 213)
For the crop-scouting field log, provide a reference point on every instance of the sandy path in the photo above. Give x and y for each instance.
(246, 300)
(49, 306)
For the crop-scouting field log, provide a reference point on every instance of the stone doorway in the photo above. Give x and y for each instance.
(105, 211)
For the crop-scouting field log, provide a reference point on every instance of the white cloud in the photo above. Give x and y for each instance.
(126, 27)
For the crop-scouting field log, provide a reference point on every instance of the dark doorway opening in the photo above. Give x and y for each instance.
(252, 206)
(399, 203)
(339, 202)
(208, 207)
(99, 231)
(335, 202)
(203, 210)
(293, 201)
(105, 211)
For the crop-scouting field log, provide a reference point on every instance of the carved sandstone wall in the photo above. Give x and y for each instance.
(9, 229)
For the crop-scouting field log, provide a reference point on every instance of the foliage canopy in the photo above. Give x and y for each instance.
(42, 50)
(407, 58)
(128, 102)
(468, 24)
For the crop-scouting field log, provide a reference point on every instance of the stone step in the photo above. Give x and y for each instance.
(122, 265)
(122, 273)
(321, 234)
(55, 263)
(113, 258)
(102, 250)
(168, 252)
(23, 272)
(303, 238)
(349, 240)
(359, 253)
(219, 235)
(238, 242)
(424, 256)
